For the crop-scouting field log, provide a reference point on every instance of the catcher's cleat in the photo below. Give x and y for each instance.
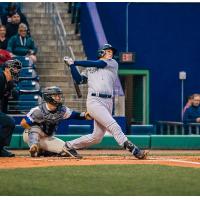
(138, 153)
(71, 152)
(34, 149)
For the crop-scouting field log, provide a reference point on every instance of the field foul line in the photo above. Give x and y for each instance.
(174, 160)
(184, 161)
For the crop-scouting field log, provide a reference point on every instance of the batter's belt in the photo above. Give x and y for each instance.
(101, 95)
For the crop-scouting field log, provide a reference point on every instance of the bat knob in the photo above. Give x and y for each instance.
(68, 60)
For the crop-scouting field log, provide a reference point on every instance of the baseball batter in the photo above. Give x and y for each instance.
(41, 122)
(100, 76)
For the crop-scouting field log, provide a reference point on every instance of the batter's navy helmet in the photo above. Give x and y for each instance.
(101, 51)
(49, 91)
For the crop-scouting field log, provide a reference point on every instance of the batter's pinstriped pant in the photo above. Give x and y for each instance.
(101, 110)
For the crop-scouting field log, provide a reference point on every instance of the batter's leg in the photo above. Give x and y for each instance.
(90, 139)
(101, 112)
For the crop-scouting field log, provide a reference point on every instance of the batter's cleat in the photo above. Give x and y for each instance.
(71, 152)
(34, 149)
(138, 153)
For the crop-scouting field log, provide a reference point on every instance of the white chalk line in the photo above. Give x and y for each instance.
(175, 160)
(152, 159)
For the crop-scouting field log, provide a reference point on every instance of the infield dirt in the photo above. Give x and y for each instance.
(104, 157)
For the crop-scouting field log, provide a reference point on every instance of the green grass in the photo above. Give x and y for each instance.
(104, 180)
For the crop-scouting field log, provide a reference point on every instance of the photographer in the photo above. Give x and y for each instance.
(8, 76)
(192, 113)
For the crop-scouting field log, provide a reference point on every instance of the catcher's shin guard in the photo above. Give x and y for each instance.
(138, 153)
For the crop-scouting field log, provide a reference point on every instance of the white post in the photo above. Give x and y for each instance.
(182, 96)
(182, 77)
(127, 6)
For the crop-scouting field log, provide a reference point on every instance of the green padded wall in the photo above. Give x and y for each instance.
(175, 141)
(143, 141)
(15, 142)
(108, 142)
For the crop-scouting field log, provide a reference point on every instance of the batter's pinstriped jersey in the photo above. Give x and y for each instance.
(102, 80)
(45, 119)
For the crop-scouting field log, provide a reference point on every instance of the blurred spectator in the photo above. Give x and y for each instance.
(4, 56)
(192, 114)
(3, 7)
(3, 39)
(22, 44)
(12, 27)
(7, 11)
(11, 8)
(188, 104)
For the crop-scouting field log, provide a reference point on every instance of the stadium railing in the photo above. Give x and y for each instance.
(146, 129)
(174, 128)
(74, 9)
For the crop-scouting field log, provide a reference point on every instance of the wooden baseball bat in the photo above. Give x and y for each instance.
(76, 86)
(78, 91)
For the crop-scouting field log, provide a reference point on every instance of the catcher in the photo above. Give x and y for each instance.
(41, 122)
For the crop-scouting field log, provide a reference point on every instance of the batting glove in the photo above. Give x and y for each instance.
(68, 60)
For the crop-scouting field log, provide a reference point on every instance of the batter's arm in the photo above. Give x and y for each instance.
(80, 116)
(79, 79)
(91, 63)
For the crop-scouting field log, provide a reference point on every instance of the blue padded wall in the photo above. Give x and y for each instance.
(166, 39)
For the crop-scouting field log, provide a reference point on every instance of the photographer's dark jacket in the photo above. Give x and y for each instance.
(191, 114)
(5, 91)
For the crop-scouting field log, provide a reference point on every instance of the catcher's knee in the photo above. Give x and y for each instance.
(25, 135)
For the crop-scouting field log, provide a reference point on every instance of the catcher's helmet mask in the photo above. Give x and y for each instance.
(101, 51)
(14, 67)
(48, 93)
